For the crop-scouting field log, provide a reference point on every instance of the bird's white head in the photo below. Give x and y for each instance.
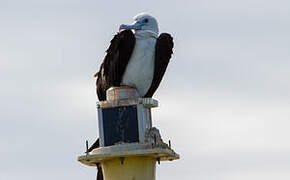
(142, 21)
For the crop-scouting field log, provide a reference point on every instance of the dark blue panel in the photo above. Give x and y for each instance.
(120, 125)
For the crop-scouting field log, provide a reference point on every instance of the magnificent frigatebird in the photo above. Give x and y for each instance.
(136, 57)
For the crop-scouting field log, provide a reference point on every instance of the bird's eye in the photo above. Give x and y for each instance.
(146, 20)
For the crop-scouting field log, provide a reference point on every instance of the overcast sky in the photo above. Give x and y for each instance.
(224, 100)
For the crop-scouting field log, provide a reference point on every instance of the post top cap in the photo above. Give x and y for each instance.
(122, 92)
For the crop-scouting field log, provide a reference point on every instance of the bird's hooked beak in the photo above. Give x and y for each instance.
(136, 26)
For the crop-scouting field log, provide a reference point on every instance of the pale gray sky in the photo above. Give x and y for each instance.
(224, 101)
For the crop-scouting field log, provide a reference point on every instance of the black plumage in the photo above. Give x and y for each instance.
(163, 52)
(115, 62)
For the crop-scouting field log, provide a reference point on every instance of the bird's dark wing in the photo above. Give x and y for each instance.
(115, 62)
(163, 52)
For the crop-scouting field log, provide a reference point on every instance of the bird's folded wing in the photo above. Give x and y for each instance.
(115, 62)
(163, 52)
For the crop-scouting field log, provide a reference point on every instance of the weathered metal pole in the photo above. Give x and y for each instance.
(129, 145)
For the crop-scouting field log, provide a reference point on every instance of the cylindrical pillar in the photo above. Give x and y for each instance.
(129, 168)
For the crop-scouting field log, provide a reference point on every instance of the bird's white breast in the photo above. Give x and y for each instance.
(140, 69)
